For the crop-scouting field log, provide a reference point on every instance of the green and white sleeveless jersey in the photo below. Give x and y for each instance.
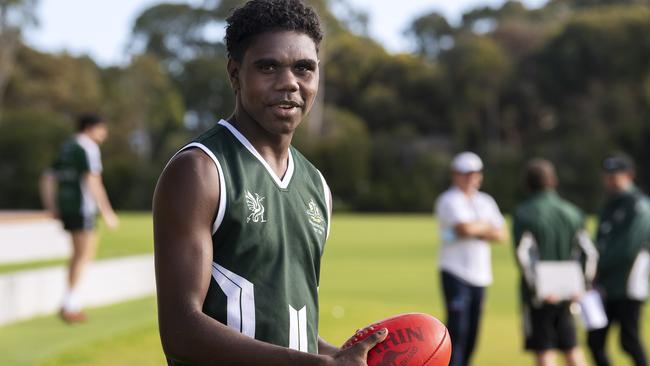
(78, 155)
(268, 238)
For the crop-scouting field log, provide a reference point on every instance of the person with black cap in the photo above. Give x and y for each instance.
(623, 241)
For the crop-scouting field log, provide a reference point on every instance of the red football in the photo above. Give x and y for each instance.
(413, 340)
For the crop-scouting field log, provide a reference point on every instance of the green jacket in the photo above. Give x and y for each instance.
(554, 223)
(623, 232)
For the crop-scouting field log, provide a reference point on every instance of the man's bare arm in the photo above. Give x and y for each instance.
(47, 187)
(482, 230)
(326, 348)
(185, 203)
(98, 191)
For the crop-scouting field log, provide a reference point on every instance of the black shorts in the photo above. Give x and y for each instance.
(78, 222)
(549, 327)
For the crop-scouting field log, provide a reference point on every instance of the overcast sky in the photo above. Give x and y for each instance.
(101, 28)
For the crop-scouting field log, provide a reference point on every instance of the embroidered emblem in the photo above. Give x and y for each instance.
(315, 217)
(255, 206)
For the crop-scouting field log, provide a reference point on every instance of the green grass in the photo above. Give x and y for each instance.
(134, 236)
(374, 266)
(49, 341)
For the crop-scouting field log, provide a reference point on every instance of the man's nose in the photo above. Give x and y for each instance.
(286, 80)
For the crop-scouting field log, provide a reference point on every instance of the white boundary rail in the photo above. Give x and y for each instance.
(29, 236)
(31, 293)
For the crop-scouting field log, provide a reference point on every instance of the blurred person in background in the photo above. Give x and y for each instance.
(623, 241)
(469, 221)
(556, 226)
(72, 191)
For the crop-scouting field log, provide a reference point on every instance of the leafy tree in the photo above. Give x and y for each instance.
(146, 115)
(341, 152)
(15, 15)
(432, 34)
(58, 83)
(175, 33)
(29, 139)
(477, 70)
(206, 91)
(599, 102)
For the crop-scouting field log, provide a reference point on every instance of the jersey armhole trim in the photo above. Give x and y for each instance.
(221, 210)
(328, 203)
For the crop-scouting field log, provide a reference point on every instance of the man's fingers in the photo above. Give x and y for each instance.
(375, 338)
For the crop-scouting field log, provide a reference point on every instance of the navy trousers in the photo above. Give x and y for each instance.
(464, 304)
(628, 314)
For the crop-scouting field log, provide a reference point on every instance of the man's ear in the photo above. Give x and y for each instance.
(233, 74)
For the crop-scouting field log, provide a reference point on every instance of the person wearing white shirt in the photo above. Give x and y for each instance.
(469, 222)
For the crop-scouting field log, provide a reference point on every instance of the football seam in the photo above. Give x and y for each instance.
(437, 348)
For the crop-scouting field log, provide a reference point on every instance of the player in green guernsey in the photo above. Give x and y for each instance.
(623, 240)
(241, 217)
(556, 228)
(72, 190)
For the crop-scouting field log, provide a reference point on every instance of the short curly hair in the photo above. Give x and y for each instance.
(259, 16)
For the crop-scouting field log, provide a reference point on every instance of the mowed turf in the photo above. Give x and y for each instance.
(374, 266)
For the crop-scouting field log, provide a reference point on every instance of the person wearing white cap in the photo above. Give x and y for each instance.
(469, 221)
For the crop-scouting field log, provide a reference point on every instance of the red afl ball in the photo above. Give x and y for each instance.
(413, 340)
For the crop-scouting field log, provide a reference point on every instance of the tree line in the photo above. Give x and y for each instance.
(569, 81)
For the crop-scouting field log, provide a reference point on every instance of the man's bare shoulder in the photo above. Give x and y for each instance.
(191, 158)
(190, 178)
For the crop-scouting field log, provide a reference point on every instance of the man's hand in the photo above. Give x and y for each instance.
(576, 297)
(98, 191)
(111, 220)
(551, 299)
(357, 355)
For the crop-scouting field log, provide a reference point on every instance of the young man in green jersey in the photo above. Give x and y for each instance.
(72, 190)
(241, 217)
(556, 226)
(623, 241)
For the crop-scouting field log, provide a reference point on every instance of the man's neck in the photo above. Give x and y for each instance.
(469, 192)
(84, 135)
(624, 188)
(274, 149)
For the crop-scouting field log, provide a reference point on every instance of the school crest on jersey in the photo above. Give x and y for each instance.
(315, 217)
(255, 207)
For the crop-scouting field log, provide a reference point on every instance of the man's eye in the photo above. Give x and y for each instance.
(304, 68)
(267, 68)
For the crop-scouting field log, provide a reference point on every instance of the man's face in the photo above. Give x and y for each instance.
(98, 132)
(617, 181)
(277, 80)
(468, 182)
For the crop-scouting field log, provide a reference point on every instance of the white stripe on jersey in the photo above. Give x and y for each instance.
(240, 294)
(94, 160)
(93, 154)
(328, 202)
(298, 329)
(221, 211)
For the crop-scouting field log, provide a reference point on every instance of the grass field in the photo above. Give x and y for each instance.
(374, 266)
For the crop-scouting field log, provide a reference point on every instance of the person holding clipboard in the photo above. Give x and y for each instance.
(550, 242)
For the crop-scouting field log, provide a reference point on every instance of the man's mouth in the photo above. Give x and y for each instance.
(288, 104)
(286, 109)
